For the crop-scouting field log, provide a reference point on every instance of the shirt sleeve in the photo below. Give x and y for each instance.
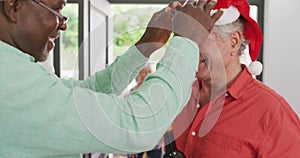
(50, 117)
(144, 116)
(282, 138)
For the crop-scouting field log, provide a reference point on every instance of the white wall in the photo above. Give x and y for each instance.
(99, 10)
(282, 49)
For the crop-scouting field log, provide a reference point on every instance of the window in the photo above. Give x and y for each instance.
(70, 60)
(67, 45)
(130, 21)
(79, 50)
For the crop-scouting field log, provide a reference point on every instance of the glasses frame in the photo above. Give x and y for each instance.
(62, 19)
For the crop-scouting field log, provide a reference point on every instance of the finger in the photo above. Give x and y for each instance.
(209, 6)
(179, 7)
(184, 2)
(190, 2)
(189, 5)
(173, 5)
(201, 3)
(217, 15)
(194, 2)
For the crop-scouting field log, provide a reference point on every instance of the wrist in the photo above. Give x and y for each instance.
(147, 48)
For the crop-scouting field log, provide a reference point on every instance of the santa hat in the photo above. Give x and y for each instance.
(232, 10)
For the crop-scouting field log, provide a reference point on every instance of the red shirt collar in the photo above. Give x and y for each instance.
(236, 90)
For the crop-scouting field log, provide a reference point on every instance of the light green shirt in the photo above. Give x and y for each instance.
(42, 115)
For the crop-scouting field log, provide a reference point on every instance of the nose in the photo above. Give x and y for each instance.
(62, 22)
(63, 26)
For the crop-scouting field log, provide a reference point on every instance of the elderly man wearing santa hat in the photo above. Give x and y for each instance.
(230, 114)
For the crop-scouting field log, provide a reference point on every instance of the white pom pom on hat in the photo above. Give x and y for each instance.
(255, 68)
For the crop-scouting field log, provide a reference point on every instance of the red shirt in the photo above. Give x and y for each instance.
(253, 122)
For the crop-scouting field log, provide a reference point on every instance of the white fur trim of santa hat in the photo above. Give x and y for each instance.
(230, 15)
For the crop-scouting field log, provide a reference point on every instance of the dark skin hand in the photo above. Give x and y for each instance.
(194, 21)
(158, 31)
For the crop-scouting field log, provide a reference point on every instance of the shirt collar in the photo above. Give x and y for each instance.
(6, 48)
(238, 88)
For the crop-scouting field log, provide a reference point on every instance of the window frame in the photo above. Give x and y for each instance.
(57, 48)
(81, 56)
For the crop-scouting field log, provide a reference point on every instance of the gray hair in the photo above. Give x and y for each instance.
(224, 31)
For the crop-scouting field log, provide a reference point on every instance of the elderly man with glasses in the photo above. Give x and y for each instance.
(44, 116)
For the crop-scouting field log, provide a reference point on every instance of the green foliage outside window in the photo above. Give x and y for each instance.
(130, 22)
(69, 39)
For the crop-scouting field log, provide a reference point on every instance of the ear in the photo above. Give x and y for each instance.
(236, 41)
(11, 7)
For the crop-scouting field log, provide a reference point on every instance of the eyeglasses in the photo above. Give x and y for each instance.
(62, 19)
